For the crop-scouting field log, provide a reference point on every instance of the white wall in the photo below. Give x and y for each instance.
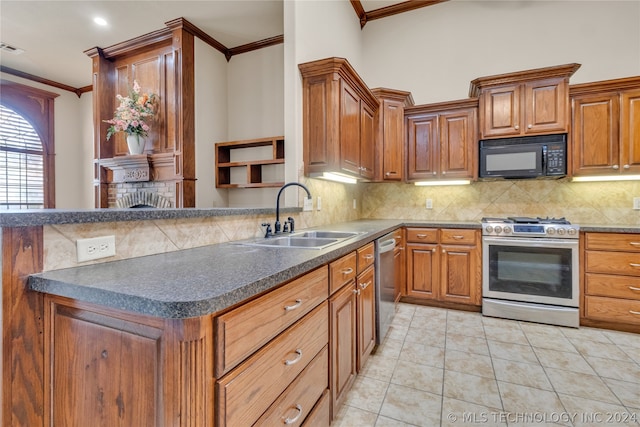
(211, 121)
(73, 135)
(434, 52)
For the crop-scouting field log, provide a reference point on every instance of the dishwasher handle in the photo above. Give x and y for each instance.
(386, 245)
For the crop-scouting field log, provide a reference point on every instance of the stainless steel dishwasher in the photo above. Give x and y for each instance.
(385, 286)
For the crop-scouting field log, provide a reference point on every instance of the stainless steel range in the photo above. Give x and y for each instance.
(530, 270)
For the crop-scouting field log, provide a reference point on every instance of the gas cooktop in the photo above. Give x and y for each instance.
(515, 226)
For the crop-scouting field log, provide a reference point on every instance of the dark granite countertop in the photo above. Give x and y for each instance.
(34, 217)
(201, 281)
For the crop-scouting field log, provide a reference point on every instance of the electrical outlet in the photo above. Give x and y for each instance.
(429, 204)
(319, 203)
(636, 203)
(308, 204)
(96, 248)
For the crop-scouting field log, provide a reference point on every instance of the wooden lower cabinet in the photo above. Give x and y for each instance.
(611, 281)
(366, 315)
(444, 265)
(105, 368)
(400, 263)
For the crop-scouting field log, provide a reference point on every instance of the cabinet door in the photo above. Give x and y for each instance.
(545, 107)
(630, 131)
(343, 344)
(400, 257)
(422, 142)
(349, 129)
(500, 111)
(460, 281)
(458, 142)
(392, 141)
(422, 270)
(366, 316)
(595, 134)
(367, 142)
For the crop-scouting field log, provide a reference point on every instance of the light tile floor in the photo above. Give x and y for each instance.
(440, 367)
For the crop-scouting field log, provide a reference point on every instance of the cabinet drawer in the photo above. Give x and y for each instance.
(246, 392)
(321, 414)
(606, 285)
(627, 263)
(612, 309)
(613, 241)
(242, 331)
(458, 236)
(399, 236)
(297, 401)
(422, 235)
(366, 257)
(342, 271)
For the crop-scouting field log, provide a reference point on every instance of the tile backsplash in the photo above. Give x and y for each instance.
(587, 203)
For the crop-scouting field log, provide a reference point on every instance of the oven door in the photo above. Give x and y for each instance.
(533, 270)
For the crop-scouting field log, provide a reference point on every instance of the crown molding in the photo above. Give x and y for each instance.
(394, 9)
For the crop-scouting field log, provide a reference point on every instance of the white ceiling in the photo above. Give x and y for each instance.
(54, 34)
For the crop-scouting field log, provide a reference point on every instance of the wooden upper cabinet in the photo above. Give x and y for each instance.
(338, 120)
(442, 140)
(531, 102)
(389, 124)
(605, 136)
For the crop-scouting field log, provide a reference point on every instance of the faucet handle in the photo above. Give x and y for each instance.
(285, 227)
(291, 224)
(267, 231)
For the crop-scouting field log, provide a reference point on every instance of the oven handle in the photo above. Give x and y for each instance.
(535, 243)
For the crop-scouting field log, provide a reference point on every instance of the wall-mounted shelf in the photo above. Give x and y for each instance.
(226, 162)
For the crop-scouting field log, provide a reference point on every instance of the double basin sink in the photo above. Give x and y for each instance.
(305, 239)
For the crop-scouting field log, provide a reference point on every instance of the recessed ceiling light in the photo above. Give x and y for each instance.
(100, 21)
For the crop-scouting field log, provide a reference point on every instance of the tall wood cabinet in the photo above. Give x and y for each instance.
(444, 265)
(338, 120)
(531, 102)
(390, 147)
(442, 140)
(605, 136)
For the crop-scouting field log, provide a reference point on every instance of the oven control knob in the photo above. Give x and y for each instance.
(498, 229)
(561, 231)
(551, 230)
(489, 228)
(571, 231)
(507, 230)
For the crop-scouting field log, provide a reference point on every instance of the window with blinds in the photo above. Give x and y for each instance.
(21, 163)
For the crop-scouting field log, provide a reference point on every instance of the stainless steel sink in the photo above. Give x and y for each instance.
(319, 239)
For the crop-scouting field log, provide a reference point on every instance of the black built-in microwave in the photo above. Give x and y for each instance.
(543, 156)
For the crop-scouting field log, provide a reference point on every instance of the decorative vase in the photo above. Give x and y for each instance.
(136, 142)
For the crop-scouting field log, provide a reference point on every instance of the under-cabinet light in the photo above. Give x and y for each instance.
(606, 178)
(338, 177)
(444, 182)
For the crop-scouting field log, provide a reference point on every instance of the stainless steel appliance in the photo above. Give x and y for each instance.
(530, 270)
(385, 289)
(524, 157)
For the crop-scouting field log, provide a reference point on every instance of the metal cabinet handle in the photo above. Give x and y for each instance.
(421, 236)
(294, 306)
(626, 166)
(633, 264)
(433, 250)
(288, 362)
(633, 288)
(530, 126)
(634, 312)
(356, 291)
(458, 237)
(634, 243)
(434, 173)
(616, 167)
(365, 285)
(517, 127)
(368, 257)
(294, 419)
(346, 271)
(444, 252)
(444, 172)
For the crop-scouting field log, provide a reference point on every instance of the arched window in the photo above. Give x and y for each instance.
(27, 174)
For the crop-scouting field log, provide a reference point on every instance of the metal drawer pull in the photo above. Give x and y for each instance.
(368, 257)
(294, 306)
(294, 419)
(296, 360)
(421, 236)
(633, 288)
(634, 243)
(356, 291)
(634, 312)
(347, 271)
(364, 285)
(458, 237)
(633, 264)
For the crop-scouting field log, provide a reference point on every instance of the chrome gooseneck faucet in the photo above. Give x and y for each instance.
(289, 224)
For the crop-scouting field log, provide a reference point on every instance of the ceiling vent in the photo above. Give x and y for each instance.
(11, 49)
